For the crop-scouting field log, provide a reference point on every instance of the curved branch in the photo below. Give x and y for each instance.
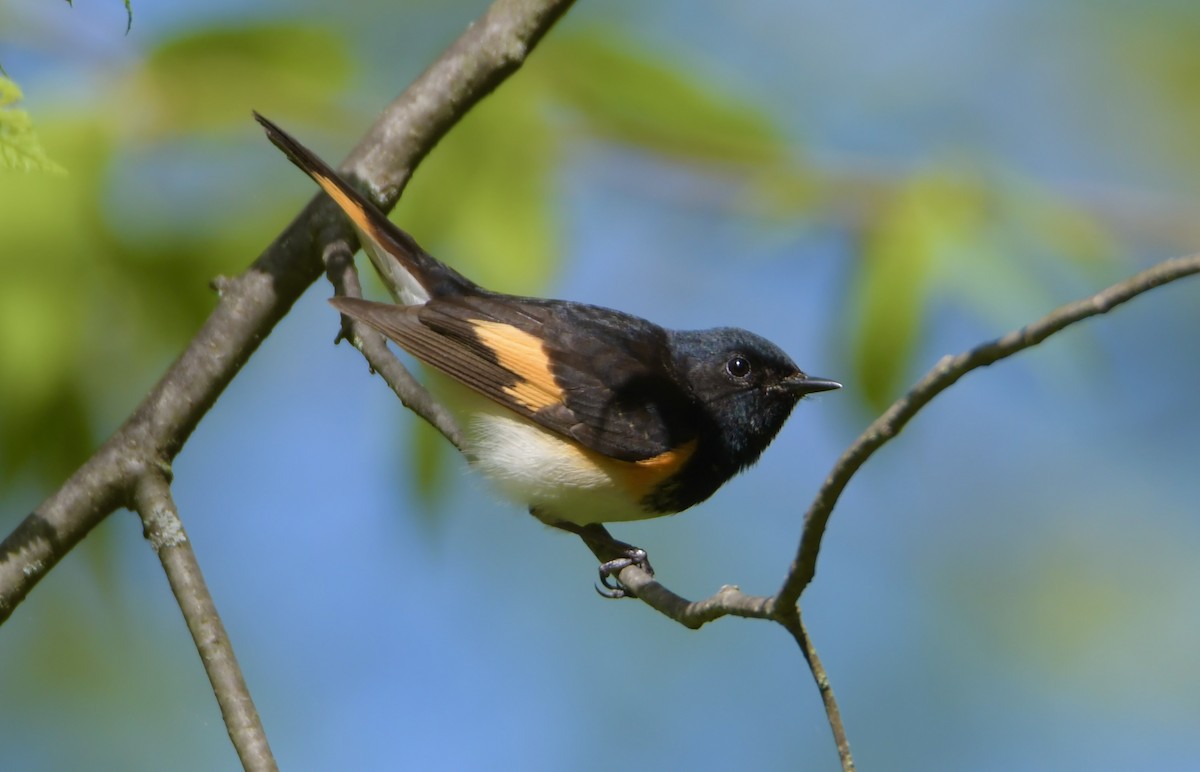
(251, 304)
(783, 608)
(730, 601)
(943, 375)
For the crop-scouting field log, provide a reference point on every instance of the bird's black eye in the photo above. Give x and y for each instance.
(738, 366)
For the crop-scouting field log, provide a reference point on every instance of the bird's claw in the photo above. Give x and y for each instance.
(610, 585)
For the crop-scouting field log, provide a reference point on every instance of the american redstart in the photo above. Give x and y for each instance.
(589, 415)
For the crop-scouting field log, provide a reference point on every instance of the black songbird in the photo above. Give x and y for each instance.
(588, 415)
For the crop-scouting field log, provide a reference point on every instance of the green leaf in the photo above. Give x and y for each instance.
(211, 78)
(53, 287)
(619, 92)
(931, 220)
(639, 98)
(20, 147)
(480, 200)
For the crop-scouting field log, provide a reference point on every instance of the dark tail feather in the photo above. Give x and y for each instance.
(380, 235)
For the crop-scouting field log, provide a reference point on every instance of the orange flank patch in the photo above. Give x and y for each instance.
(642, 477)
(522, 354)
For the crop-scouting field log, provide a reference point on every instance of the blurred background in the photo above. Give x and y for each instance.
(1010, 584)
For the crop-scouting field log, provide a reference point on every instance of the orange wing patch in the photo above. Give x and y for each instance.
(522, 354)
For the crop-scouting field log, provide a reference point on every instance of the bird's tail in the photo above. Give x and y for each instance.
(412, 274)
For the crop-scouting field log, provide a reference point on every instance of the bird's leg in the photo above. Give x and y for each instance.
(615, 556)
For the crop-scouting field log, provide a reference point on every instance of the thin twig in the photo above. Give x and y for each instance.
(339, 263)
(728, 601)
(944, 374)
(795, 625)
(164, 530)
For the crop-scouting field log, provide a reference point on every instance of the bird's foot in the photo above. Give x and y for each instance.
(610, 570)
(615, 556)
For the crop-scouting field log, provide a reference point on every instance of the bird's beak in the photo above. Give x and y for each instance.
(803, 384)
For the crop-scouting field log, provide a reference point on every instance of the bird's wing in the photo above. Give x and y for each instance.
(596, 376)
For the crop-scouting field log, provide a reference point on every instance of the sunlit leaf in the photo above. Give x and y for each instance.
(51, 261)
(481, 200)
(20, 147)
(927, 221)
(643, 99)
(612, 89)
(211, 78)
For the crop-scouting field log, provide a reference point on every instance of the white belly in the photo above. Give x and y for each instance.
(537, 468)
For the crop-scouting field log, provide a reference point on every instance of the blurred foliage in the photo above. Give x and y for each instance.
(496, 170)
(202, 81)
(92, 309)
(1056, 606)
(1155, 56)
(930, 218)
(987, 245)
(645, 101)
(19, 145)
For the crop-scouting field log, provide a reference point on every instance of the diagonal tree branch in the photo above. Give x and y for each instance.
(251, 304)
